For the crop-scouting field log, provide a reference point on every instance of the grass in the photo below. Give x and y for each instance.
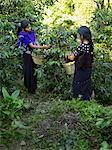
(54, 124)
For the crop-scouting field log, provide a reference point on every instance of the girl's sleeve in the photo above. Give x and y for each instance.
(20, 41)
(78, 52)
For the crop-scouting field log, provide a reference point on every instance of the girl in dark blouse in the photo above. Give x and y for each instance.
(83, 57)
(27, 39)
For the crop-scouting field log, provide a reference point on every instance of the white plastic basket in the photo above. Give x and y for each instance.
(38, 59)
(69, 67)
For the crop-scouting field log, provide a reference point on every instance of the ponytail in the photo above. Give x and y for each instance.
(19, 30)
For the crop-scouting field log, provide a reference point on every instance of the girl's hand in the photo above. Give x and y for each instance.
(71, 57)
(47, 47)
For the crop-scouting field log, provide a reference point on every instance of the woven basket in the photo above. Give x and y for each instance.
(38, 59)
(69, 67)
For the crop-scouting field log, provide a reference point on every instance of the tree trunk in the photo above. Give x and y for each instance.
(107, 4)
(102, 4)
(98, 5)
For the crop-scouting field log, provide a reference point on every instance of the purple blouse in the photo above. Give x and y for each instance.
(25, 39)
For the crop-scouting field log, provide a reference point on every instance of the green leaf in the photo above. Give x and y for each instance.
(15, 94)
(27, 106)
(7, 112)
(99, 122)
(54, 63)
(104, 146)
(5, 93)
(18, 124)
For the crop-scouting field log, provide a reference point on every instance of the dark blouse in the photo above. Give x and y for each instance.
(83, 62)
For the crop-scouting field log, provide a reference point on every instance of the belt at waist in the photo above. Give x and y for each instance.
(27, 52)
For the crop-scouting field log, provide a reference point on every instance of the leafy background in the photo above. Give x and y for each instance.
(56, 22)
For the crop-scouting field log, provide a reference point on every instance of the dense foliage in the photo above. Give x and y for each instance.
(11, 108)
(56, 22)
(102, 77)
(61, 34)
(71, 13)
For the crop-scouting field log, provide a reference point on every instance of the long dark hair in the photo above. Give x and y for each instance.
(85, 32)
(23, 25)
(86, 59)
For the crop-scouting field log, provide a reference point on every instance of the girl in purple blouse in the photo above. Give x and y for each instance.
(27, 39)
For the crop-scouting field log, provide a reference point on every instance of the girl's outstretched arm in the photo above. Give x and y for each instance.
(39, 47)
(78, 52)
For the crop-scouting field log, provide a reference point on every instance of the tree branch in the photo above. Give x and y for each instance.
(98, 5)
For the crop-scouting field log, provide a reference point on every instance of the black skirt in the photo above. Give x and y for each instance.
(82, 84)
(30, 80)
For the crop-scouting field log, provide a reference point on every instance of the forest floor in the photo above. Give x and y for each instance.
(53, 124)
